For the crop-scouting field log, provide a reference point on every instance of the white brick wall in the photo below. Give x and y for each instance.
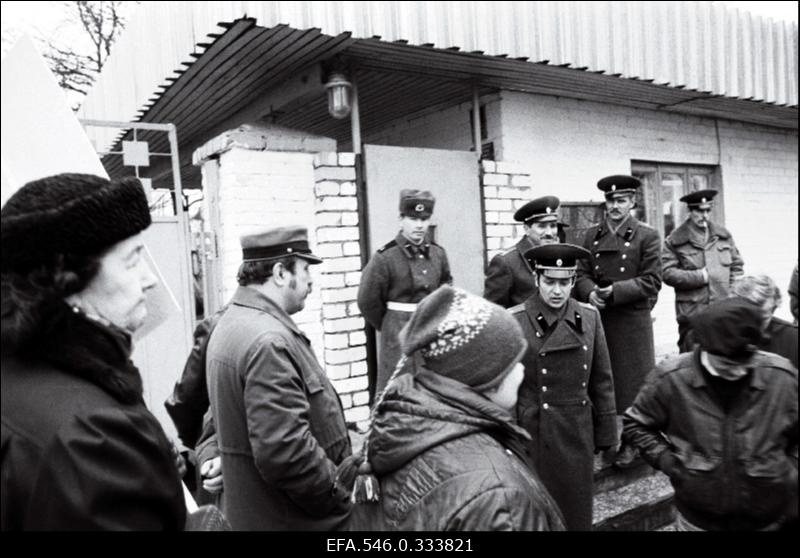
(262, 189)
(500, 203)
(566, 145)
(338, 238)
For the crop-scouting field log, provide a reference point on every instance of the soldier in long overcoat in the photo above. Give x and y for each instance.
(622, 279)
(509, 278)
(399, 275)
(700, 261)
(566, 401)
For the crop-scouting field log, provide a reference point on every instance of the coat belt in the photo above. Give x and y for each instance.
(401, 306)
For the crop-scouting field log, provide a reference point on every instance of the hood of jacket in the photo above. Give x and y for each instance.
(421, 410)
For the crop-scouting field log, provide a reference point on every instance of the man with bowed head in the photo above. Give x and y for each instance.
(721, 422)
(81, 451)
(443, 452)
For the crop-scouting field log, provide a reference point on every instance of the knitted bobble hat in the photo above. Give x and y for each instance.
(464, 337)
(69, 213)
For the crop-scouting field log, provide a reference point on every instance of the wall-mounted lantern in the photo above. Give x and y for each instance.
(338, 95)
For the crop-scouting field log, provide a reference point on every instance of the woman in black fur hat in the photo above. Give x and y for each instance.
(80, 449)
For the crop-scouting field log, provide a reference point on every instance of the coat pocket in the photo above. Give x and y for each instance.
(698, 485)
(769, 484)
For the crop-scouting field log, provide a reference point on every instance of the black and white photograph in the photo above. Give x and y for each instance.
(399, 274)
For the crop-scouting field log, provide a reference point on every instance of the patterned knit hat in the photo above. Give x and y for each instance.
(464, 337)
(80, 214)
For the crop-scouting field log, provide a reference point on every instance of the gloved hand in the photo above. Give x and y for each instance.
(670, 465)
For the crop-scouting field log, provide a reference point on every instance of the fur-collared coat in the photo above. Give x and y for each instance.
(80, 450)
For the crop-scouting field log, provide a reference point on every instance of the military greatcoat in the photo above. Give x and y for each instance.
(509, 278)
(566, 401)
(398, 272)
(630, 261)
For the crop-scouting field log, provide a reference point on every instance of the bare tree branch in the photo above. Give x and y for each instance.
(99, 22)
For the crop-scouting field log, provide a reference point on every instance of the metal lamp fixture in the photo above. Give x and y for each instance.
(338, 95)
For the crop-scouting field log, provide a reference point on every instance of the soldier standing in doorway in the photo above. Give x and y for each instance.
(509, 279)
(399, 275)
(622, 280)
(700, 261)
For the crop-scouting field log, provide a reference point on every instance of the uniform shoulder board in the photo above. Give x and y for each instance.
(587, 306)
(517, 309)
(387, 246)
(646, 226)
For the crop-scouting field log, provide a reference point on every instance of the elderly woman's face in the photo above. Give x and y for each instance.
(117, 293)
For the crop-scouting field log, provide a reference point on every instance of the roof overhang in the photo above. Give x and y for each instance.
(251, 72)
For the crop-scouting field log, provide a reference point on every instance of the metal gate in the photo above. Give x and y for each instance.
(161, 353)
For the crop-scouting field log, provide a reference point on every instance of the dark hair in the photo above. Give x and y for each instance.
(258, 272)
(31, 298)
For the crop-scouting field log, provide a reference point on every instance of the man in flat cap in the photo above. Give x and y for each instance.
(509, 278)
(399, 275)
(280, 425)
(721, 422)
(566, 400)
(700, 262)
(622, 279)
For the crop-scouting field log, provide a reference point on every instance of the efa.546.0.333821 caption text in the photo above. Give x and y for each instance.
(402, 544)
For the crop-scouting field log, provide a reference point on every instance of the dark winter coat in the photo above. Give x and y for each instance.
(509, 278)
(566, 402)
(447, 459)
(683, 261)
(398, 272)
(630, 261)
(80, 450)
(279, 421)
(734, 470)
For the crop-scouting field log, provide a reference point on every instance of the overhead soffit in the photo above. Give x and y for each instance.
(394, 80)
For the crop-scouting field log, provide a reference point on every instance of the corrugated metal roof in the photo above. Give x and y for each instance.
(689, 45)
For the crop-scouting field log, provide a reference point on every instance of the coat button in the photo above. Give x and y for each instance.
(583, 402)
(583, 384)
(586, 367)
(544, 388)
(597, 255)
(622, 269)
(585, 348)
(545, 406)
(596, 242)
(509, 452)
(426, 271)
(624, 256)
(597, 267)
(538, 334)
(421, 256)
(544, 370)
(627, 244)
(542, 354)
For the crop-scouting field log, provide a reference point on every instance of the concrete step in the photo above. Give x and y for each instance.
(607, 477)
(643, 504)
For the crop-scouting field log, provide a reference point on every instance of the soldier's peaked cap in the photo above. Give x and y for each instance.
(619, 184)
(699, 197)
(556, 258)
(540, 209)
(277, 242)
(416, 203)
